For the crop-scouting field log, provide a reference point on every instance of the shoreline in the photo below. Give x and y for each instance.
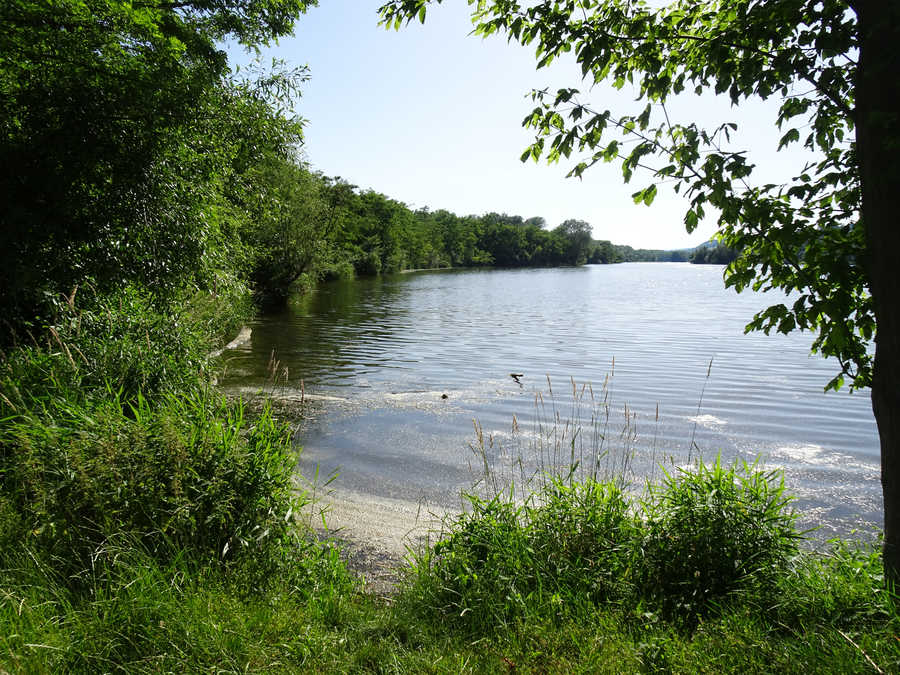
(376, 535)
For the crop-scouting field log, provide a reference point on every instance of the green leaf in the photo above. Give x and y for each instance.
(792, 136)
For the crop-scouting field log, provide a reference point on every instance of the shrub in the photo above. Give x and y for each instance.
(567, 547)
(118, 344)
(713, 530)
(585, 535)
(479, 574)
(701, 537)
(190, 474)
(217, 315)
(339, 269)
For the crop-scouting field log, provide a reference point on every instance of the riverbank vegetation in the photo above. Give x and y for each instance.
(148, 524)
(176, 546)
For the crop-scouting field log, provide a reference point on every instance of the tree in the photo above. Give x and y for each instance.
(117, 139)
(286, 229)
(604, 253)
(505, 239)
(713, 253)
(577, 235)
(830, 234)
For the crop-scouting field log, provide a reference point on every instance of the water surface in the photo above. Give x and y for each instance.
(399, 367)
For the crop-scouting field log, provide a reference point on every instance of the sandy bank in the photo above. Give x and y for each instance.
(377, 533)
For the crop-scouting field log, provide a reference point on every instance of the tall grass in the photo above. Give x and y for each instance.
(710, 531)
(109, 429)
(136, 614)
(139, 508)
(574, 437)
(188, 472)
(704, 537)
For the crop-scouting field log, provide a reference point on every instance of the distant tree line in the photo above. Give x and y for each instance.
(307, 225)
(713, 253)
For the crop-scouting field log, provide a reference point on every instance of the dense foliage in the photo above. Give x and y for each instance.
(714, 253)
(110, 431)
(124, 139)
(700, 538)
(132, 154)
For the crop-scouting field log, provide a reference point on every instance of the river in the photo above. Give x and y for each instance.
(648, 361)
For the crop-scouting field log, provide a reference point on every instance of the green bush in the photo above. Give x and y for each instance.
(339, 269)
(187, 474)
(108, 428)
(585, 535)
(701, 538)
(566, 548)
(120, 344)
(368, 263)
(713, 530)
(218, 315)
(479, 574)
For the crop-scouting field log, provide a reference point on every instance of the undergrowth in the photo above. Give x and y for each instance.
(704, 537)
(188, 472)
(701, 573)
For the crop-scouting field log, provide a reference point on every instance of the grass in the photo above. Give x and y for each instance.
(573, 437)
(149, 525)
(704, 574)
(144, 617)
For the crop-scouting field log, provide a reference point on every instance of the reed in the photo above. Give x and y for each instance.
(574, 436)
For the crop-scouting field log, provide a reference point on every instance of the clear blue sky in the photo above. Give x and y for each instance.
(431, 116)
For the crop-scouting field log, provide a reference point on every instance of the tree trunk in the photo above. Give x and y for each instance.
(878, 148)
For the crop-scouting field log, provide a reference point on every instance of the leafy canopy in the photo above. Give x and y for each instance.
(122, 139)
(804, 236)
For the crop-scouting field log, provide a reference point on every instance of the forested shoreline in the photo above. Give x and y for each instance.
(315, 227)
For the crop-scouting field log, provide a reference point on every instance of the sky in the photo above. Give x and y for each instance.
(431, 116)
